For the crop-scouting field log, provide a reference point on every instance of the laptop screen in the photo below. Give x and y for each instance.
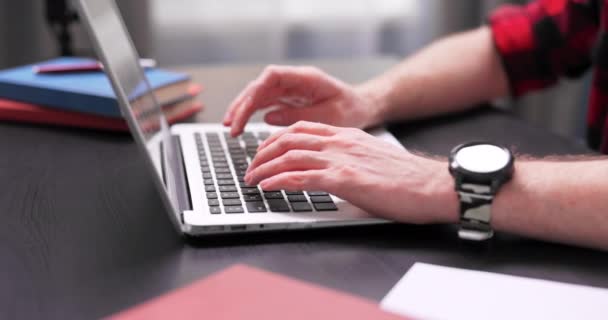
(135, 96)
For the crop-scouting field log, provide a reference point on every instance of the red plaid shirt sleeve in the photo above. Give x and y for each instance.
(544, 40)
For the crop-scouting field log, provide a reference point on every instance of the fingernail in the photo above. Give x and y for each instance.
(247, 178)
(276, 117)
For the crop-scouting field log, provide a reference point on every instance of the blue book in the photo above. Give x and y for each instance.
(87, 92)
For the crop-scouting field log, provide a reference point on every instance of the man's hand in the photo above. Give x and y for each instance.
(370, 173)
(300, 93)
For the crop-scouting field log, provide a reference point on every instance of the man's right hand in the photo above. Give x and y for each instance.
(301, 93)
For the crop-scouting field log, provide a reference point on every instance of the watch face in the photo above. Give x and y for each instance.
(482, 158)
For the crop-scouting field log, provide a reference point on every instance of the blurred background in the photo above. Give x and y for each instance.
(186, 32)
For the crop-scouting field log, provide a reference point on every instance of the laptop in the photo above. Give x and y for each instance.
(198, 168)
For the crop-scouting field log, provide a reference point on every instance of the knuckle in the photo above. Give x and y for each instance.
(271, 72)
(283, 141)
(345, 142)
(346, 171)
(292, 155)
(354, 131)
(312, 70)
(271, 68)
(301, 124)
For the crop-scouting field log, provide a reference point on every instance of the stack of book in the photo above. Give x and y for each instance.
(62, 92)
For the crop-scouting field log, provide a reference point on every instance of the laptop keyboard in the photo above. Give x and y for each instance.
(223, 169)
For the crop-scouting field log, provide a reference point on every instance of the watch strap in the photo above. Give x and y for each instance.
(475, 212)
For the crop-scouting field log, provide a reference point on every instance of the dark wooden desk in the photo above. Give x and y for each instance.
(83, 233)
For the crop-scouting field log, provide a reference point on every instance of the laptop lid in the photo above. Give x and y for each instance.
(135, 96)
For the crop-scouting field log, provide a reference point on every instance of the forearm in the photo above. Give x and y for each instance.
(560, 201)
(450, 75)
(556, 201)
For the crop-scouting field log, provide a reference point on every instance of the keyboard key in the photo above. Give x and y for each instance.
(205, 169)
(238, 155)
(245, 185)
(213, 202)
(239, 161)
(317, 193)
(234, 209)
(207, 175)
(230, 195)
(301, 206)
(208, 182)
(210, 188)
(215, 210)
(222, 170)
(224, 176)
(325, 206)
(294, 193)
(297, 198)
(231, 202)
(252, 197)
(250, 191)
(257, 206)
(225, 182)
(278, 205)
(228, 188)
(318, 199)
(211, 195)
(221, 164)
(273, 195)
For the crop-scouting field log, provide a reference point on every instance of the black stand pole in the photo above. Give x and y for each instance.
(60, 16)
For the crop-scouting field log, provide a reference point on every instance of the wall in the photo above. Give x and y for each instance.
(181, 32)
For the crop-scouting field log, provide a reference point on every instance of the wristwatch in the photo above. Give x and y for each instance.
(479, 170)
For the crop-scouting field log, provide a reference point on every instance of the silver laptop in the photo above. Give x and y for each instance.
(199, 168)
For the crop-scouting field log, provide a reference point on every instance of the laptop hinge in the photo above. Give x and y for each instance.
(182, 190)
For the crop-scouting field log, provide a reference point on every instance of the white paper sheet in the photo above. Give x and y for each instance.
(434, 292)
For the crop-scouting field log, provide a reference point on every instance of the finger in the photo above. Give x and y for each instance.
(313, 128)
(296, 180)
(228, 116)
(240, 99)
(291, 141)
(293, 160)
(262, 93)
(278, 82)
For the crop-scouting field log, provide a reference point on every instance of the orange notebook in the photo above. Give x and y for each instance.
(176, 110)
(243, 292)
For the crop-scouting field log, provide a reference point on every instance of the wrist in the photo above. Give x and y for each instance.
(442, 195)
(374, 97)
(447, 196)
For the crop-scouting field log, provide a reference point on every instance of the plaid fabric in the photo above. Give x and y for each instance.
(548, 39)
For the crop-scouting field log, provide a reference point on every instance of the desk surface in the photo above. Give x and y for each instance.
(84, 234)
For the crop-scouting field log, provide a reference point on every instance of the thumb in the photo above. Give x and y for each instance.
(287, 115)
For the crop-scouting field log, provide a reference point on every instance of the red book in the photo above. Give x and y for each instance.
(177, 109)
(242, 292)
